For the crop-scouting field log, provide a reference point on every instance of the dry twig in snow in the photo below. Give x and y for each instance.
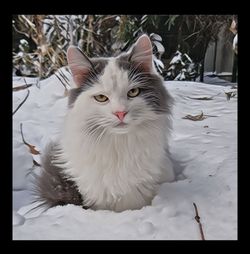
(20, 105)
(31, 147)
(197, 218)
(199, 117)
(18, 88)
(230, 94)
(206, 98)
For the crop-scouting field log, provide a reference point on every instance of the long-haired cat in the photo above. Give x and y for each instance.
(113, 152)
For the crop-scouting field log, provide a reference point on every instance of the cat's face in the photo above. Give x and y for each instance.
(117, 95)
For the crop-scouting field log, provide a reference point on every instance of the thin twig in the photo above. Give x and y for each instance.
(64, 76)
(21, 128)
(72, 41)
(31, 147)
(197, 218)
(60, 80)
(19, 31)
(204, 98)
(210, 115)
(201, 98)
(29, 22)
(191, 35)
(20, 105)
(18, 88)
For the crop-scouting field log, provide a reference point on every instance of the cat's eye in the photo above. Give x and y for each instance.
(133, 92)
(101, 98)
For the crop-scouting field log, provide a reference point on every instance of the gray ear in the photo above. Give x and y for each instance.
(79, 64)
(142, 53)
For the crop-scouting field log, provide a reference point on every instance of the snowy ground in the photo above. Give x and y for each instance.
(205, 150)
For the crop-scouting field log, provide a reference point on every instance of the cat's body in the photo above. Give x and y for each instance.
(114, 146)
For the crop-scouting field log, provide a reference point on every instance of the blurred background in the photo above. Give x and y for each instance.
(186, 47)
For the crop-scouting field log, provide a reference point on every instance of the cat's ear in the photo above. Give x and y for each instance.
(142, 53)
(79, 64)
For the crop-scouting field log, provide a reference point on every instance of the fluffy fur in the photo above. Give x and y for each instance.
(112, 165)
(53, 186)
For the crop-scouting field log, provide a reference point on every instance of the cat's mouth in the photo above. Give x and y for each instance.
(121, 125)
(121, 128)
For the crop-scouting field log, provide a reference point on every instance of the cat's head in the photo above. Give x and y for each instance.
(117, 94)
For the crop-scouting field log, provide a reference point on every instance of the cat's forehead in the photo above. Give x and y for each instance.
(114, 77)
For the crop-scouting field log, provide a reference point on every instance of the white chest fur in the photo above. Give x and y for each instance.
(122, 171)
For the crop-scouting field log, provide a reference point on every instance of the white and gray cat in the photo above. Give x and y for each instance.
(113, 153)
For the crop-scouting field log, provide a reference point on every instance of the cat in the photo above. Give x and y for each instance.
(113, 153)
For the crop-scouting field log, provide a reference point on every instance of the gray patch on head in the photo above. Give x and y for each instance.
(98, 68)
(155, 94)
(99, 64)
(74, 93)
(123, 62)
(152, 88)
(54, 187)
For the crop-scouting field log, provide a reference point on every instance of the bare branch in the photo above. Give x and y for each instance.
(197, 218)
(60, 80)
(21, 129)
(22, 87)
(20, 105)
(192, 35)
(65, 78)
(31, 147)
(72, 41)
(108, 17)
(29, 22)
(18, 88)
(19, 31)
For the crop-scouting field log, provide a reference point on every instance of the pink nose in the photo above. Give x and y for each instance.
(121, 115)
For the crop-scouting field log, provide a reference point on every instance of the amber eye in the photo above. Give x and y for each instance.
(101, 98)
(133, 92)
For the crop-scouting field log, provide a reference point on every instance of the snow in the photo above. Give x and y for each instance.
(23, 41)
(17, 219)
(159, 47)
(224, 73)
(158, 63)
(176, 59)
(189, 59)
(213, 79)
(204, 151)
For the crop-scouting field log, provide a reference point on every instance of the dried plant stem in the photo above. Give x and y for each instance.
(61, 81)
(31, 147)
(18, 88)
(72, 42)
(21, 129)
(20, 105)
(64, 77)
(197, 218)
